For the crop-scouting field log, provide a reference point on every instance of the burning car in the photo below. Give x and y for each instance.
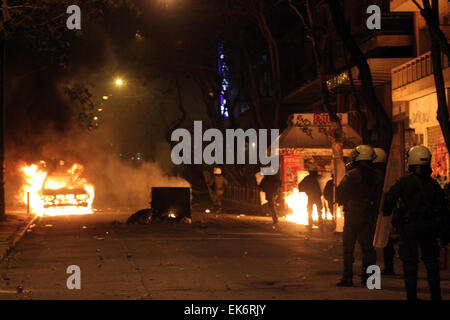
(56, 189)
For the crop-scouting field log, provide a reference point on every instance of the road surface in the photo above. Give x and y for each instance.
(216, 257)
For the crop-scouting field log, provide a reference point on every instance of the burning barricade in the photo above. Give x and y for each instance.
(56, 189)
(297, 202)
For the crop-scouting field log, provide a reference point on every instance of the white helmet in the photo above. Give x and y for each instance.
(363, 152)
(419, 155)
(217, 171)
(380, 155)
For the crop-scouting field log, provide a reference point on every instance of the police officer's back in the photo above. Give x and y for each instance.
(356, 192)
(418, 205)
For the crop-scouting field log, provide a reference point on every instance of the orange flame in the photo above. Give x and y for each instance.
(53, 195)
(297, 201)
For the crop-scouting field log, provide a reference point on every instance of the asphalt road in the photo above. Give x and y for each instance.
(215, 257)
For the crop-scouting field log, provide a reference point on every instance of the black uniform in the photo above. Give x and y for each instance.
(270, 185)
(417, 201)
(310, 185)
(356, 192)
(328, 193)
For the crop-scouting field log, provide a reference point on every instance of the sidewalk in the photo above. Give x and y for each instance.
(12, 230)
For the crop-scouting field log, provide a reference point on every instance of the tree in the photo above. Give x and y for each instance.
(42, 25)
(430, 12)
(383, 123)
(336, 134)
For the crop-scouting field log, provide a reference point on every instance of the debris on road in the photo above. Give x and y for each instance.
(186, 220)
(143, 216)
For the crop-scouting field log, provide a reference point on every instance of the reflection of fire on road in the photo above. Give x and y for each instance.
(56, 192)
(297, 202)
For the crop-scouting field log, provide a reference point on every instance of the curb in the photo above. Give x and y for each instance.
(16, 239)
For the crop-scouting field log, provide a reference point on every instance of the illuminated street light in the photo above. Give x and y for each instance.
(119, 82)
(106, 97)
(95, 118)
(100, 109)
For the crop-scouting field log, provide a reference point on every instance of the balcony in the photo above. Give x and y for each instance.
(415, 77)
(394, 39)
(415, 69)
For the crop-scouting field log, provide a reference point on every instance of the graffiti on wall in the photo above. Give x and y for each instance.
(439, 161)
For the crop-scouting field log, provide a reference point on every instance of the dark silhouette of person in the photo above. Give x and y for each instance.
(310, 185)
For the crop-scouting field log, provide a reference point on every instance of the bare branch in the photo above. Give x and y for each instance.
(417, 4)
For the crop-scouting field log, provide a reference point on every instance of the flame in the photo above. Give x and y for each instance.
(58, 194)
(297, 201)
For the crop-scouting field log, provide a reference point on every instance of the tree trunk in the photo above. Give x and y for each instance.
(2, 126)
(254, 93)
(432, 20)
(274, 62)
(361, 114)
(336, 136)
(442, 112)
(383, 123)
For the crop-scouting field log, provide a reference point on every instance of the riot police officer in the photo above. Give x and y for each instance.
(417, 202)
(356, 192)
(219, 185)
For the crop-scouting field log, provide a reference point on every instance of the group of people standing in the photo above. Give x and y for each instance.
(419, 209)
(419, 215)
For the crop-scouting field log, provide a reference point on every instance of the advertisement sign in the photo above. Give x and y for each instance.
(291, 165)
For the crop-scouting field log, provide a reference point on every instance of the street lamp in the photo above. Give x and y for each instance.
(119, 82)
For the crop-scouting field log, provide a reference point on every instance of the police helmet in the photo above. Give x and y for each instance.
(363, 152)
(419, 155)
(380, 155)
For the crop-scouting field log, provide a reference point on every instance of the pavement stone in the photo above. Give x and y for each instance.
(12, 230)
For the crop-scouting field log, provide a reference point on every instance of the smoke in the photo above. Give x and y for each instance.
(42, 122)
(119, 184)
